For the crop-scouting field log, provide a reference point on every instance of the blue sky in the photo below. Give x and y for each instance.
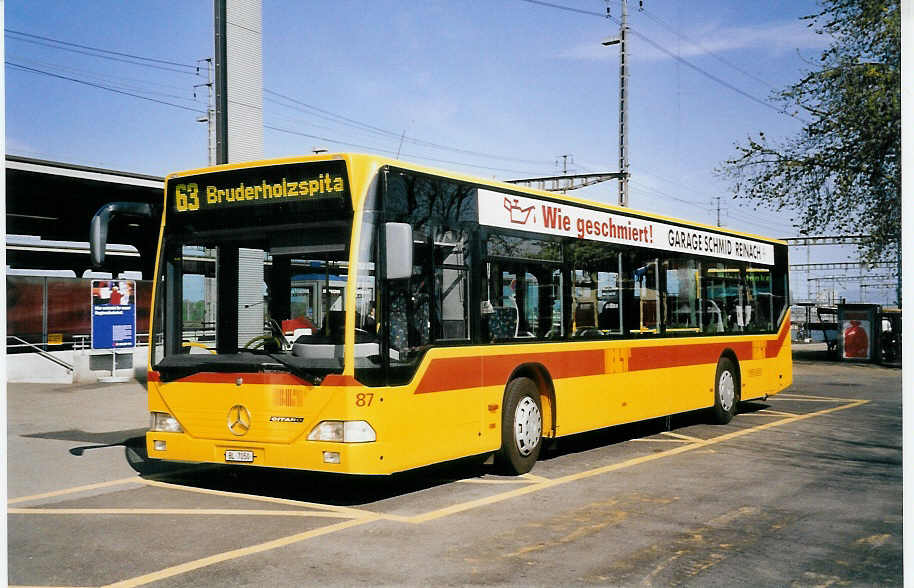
(507, 86)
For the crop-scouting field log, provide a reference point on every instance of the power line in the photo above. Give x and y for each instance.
(100, 86)
(98, 49)
(389, 151)
(94, 74)
(394, 134)
(726, 62)
(679, 59)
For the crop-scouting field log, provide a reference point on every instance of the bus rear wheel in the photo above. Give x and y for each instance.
(521, 428)
(726, 391)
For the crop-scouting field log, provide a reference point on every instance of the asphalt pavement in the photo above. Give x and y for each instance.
(804, 489)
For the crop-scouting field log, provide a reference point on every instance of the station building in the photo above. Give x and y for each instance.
(49, 206)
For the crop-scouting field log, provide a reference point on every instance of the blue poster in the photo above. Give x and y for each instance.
(113, 314)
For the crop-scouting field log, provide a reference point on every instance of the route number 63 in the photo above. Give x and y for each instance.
(187, 197)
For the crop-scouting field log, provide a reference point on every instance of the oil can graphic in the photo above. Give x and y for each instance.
(517, 214)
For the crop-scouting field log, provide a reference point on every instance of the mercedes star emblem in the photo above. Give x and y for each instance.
(239, 420)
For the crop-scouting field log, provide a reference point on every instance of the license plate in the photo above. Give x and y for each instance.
(242, 456)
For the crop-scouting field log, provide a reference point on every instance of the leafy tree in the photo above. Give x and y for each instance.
(842, 171)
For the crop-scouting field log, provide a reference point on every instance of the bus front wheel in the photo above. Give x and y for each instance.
(726, 391)
(521, 427)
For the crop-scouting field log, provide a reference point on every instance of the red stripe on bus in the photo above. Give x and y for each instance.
(339, 380)
(667, 356)
(469, 372)
(773, 347)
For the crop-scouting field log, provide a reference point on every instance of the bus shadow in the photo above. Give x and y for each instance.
(354, 490)
(319, 487)
(591, 440)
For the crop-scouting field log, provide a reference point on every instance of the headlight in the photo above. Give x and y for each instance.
(162, 421)
(343, 432)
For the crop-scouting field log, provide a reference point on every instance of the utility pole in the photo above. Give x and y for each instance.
(219, 10)
(623, 101)
(210, 118)
(718, 210)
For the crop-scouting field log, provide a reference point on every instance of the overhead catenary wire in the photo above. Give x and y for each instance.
(398, 135)
(707, 51)
(393, 152)
(114, 85)
(50, 40)
(94, 75)
(674, 56)
(100, 86)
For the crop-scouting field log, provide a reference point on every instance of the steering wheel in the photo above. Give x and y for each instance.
(276, 336)
(276, 332)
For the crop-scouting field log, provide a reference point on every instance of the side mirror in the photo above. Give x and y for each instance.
(98, 230)
(399, 250)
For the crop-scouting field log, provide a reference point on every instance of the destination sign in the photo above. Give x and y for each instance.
(257, 186)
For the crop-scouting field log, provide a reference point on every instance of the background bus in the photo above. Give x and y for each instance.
(371, 316)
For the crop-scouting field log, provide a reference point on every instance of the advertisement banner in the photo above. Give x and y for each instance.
(113, 308)
(521, 213)
(857, 333)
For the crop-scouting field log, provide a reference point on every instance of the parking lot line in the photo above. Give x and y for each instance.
(517, 480)
(361, 517)
(808, 398)
(486, 501)
(345, 510)
(75, 489)
(182, 511)
(681, 437)
(237, 553)
(768, 411)
(657, 440)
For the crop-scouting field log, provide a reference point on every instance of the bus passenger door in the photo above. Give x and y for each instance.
(649, 385)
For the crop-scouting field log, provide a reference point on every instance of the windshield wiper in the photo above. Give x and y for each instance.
(284, 365)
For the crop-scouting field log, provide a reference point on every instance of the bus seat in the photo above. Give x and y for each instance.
(399, 337)
(584, 314)
(336, 325)
(503, 322)
(423, 326)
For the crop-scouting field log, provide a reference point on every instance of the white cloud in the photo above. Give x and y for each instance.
(773, 38)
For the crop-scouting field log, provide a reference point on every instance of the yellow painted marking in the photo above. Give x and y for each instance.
(366, 516)
(340, 509)
(180, 511)
(874, 540)
(465, 506)
(534, 477)
(778, 412)
(76, 489)
(681, 437)
(237, 553)
(805, 398)
(517, 480)
(656, 440)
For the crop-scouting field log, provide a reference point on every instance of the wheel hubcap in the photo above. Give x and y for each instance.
(528, 425)
(726, 390)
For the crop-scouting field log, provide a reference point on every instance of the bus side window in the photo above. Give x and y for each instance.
(681, 296)
(643, 316)
(723, 296)
(759, 302)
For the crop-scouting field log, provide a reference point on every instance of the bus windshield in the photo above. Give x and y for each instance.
(257, 285)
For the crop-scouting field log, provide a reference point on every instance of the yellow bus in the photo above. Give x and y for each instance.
(356, 314)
